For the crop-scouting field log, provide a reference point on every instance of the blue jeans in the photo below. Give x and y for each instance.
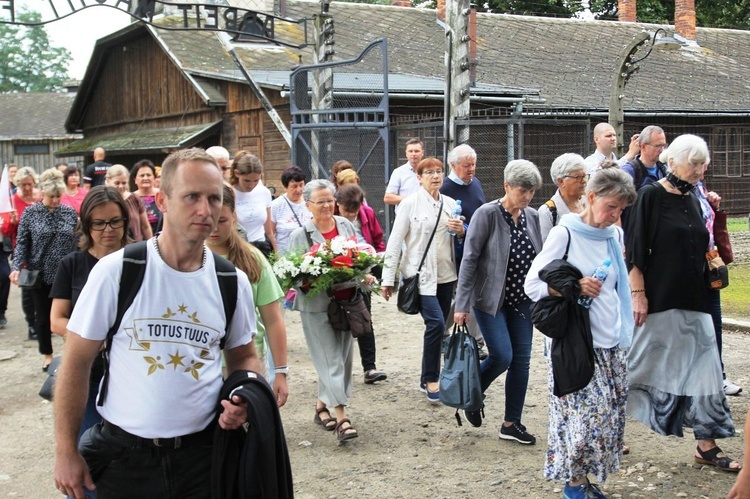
(434, 310)
(508, 338)
(714, 308)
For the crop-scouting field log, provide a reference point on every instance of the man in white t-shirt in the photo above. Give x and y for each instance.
(404, 179)
(605, 139)
(165, 367)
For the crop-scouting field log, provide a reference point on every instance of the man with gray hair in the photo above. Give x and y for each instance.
(462, 185)
(221, 156)
(646, 168)
(605, 139)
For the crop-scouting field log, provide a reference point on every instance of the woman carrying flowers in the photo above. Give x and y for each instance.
(326, 238)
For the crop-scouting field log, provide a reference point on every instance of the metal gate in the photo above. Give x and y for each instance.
(340, 111)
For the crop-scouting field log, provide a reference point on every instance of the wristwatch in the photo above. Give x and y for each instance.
(282, 370)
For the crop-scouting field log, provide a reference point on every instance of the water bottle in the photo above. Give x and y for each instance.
(601, 274)
(456, 213)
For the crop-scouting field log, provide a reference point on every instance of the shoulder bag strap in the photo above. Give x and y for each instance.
(133, 271)
(567, 246)
(293, 212)
(226, 274)
(434, 229)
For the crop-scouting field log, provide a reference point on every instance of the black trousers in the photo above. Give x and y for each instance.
(42, 308)
(367, 343)
(4, 281)
(27, 305)
(124, 466)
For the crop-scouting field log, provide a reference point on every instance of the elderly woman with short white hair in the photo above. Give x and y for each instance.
(568, 172)
(674, 367)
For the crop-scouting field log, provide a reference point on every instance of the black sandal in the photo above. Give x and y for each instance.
(343, 434)
(324, 422)
(710, 458)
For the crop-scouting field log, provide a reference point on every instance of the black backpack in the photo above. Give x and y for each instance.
(133, 271)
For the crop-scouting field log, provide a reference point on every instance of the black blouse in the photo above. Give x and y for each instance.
(521, 255)
(667, 241)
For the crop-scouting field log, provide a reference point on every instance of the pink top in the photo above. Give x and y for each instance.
(75, 200)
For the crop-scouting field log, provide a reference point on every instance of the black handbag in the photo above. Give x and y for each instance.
(29, 279)
(350, 315)
(32, 279)
(408, 293)
(48, 387)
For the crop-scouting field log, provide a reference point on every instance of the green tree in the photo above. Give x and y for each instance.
(733, 14)
(30, 63)
(545, 8)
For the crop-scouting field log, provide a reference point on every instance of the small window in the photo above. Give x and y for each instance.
(20, 149)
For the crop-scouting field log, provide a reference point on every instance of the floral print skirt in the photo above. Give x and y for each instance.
(587, 427)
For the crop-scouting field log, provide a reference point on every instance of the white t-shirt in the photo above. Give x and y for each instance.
(404, 182)
(284, 218)
(594, 161)
(165, 362)
(252, 210)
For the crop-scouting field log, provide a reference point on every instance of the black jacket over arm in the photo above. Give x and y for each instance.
(252, 464)
(567, 323)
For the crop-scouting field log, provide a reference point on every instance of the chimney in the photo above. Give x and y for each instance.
(441, 10)
(626, 11)
(684, 19)
(401, 3)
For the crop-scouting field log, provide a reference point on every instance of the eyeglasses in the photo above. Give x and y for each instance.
(431, 173)
(323, 202)
(656, 146)
(577, 178)
(115, 223)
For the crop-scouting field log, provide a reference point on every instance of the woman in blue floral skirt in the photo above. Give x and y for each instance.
(586, 427)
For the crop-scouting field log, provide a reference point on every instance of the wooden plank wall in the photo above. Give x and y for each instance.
(247, 126)
(138, 81)
(39, 162)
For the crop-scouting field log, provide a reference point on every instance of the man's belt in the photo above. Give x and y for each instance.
(203, 437)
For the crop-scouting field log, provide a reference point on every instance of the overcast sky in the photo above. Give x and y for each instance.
(80, 31)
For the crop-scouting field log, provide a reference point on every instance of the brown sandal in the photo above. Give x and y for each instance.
(324, 422)
(343, 434)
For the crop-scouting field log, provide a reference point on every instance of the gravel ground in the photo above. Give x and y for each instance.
(406, 449)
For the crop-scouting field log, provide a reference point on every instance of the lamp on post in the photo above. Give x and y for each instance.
(627, 65)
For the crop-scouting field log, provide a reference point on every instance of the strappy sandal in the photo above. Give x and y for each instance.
(343, 434)
(710, 458)
(329, 423)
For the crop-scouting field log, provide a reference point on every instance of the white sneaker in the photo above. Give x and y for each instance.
(730, 388)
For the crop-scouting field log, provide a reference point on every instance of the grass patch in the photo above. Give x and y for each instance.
(735, 298)
(737, 224)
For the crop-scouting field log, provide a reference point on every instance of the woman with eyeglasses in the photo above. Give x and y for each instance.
(104, 219)
(330, 349)
(417, 217)
(45, 235)
(569, 174)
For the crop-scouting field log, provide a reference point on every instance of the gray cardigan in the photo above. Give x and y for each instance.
(298, 243)
(481, 280)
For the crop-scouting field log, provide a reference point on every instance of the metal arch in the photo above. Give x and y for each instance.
(219, 18)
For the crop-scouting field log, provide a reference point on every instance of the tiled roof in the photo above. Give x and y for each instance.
(142, 141)
(570, 61)
(35, 116)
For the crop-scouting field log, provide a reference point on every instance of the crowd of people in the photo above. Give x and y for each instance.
(634, 344)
